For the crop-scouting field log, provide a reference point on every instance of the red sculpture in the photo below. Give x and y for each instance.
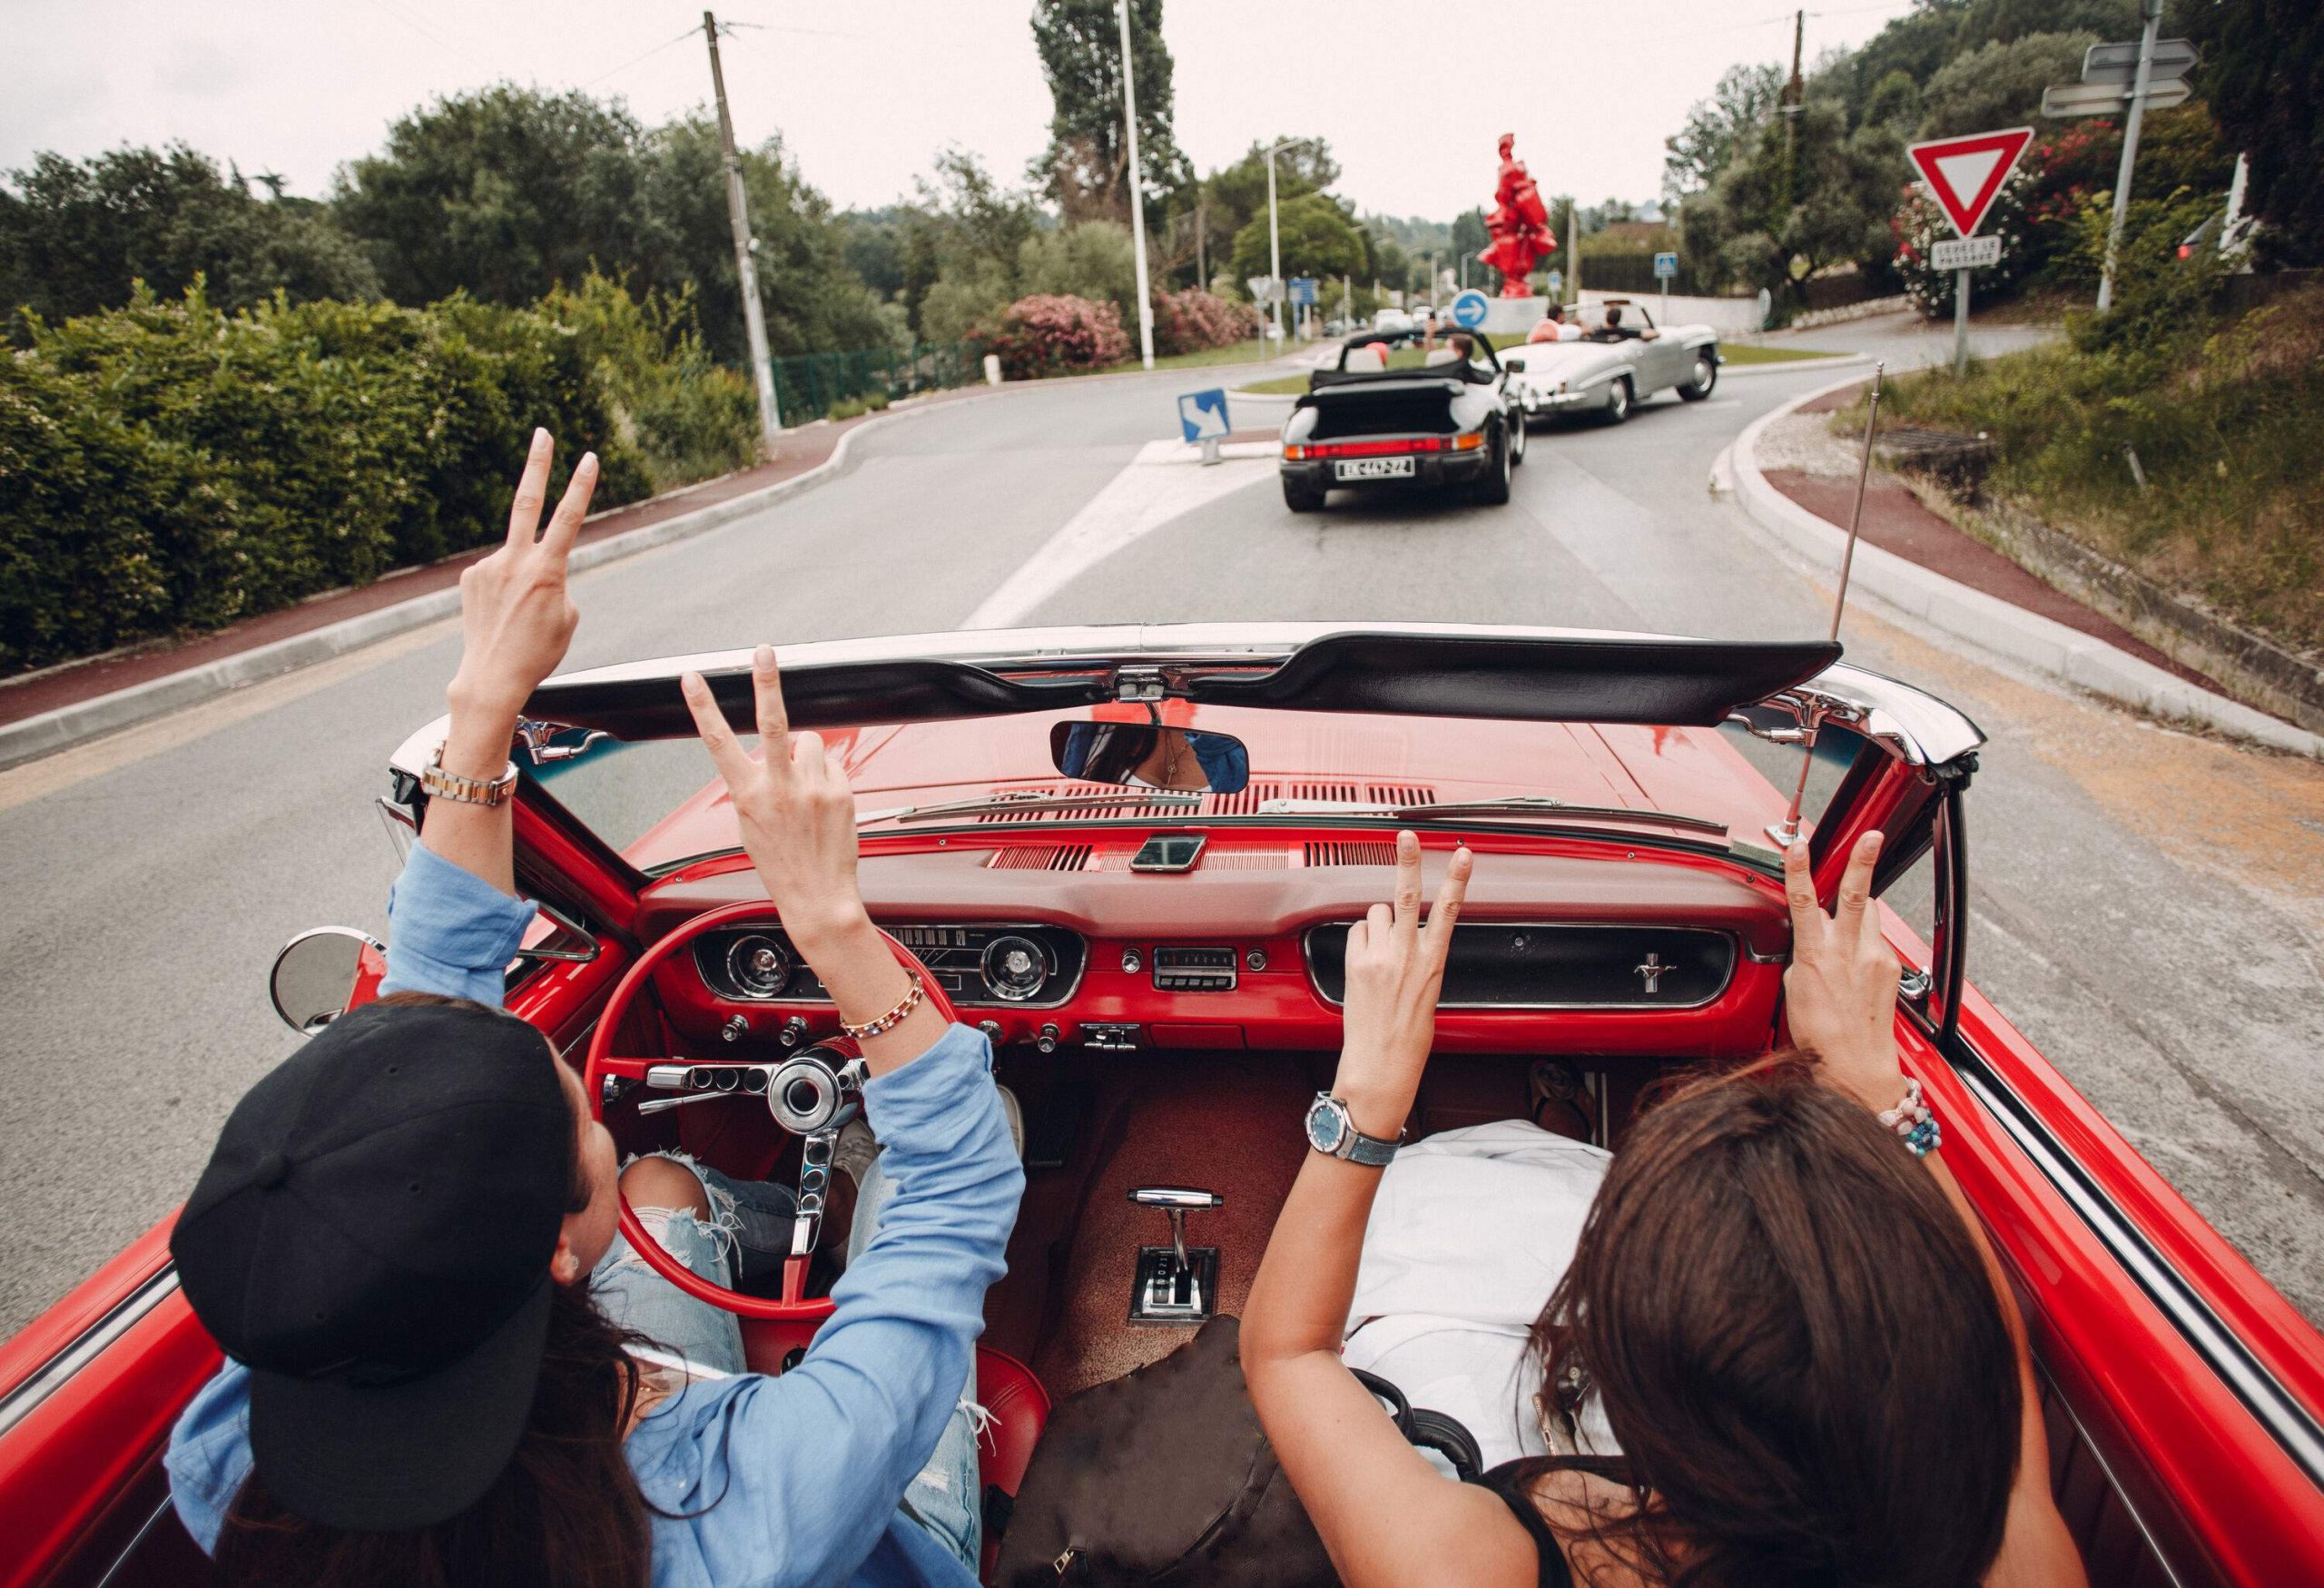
(1519, 225)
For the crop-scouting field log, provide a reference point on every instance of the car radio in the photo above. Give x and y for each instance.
(1194, 970)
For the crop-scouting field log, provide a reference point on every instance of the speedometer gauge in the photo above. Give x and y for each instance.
(1015, 968)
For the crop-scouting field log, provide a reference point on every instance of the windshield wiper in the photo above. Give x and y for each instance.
(984, 804)
(1543, 806)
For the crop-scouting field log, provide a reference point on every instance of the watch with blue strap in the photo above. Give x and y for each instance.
(1333, 1133)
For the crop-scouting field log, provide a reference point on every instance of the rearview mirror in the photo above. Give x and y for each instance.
(1148, 756)
(314, 976)
(1515, 366)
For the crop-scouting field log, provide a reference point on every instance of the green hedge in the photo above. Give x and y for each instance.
(169, 467)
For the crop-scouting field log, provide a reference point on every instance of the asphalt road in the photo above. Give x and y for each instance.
(2146, 901)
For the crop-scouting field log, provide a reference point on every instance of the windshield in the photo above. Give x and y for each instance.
(658, 802)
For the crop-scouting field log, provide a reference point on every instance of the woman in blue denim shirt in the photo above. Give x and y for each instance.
(440, 1369)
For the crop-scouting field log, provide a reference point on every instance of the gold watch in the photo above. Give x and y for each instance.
(440, 785)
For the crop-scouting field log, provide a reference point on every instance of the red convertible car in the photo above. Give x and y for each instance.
(1132, 854)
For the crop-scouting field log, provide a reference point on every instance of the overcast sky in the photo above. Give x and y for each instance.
(1411, 96)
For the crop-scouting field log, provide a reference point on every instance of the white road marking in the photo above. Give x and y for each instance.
(1159, 486)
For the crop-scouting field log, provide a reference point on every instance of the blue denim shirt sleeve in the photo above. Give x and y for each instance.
(450, 930)
(874, 1392)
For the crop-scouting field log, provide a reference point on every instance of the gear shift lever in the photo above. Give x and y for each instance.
(1176, 1283)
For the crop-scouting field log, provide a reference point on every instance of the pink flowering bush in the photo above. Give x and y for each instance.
(1191, 321)
(1051, 333)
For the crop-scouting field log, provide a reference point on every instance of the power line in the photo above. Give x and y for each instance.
(633, 60)
(411, 22)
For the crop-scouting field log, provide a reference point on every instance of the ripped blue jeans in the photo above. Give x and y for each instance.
(747, 1236)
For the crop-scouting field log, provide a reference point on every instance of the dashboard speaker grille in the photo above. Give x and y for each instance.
(1400, 793)
(1355, 853)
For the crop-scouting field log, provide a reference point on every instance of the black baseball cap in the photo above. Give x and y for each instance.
(371, 1239)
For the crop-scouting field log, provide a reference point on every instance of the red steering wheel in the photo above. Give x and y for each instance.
(795, 1305)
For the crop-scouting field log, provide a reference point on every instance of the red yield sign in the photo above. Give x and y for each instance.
(1963, 174)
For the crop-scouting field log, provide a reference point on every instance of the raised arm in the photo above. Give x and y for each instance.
(454, 920)
(1840, 1000)
(823, 1453)
(1385, 1513)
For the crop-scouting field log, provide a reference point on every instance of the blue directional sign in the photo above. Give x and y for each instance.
(1557, 285)
(1666, 266)
(1303, 289)
(1469, 309)
(1202, 415)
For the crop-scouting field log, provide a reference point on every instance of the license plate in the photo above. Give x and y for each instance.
(1374, 469)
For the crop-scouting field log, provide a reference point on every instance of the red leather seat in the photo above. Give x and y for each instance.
(1006, 1388)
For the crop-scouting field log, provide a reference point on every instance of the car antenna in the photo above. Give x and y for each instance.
(1786, 832)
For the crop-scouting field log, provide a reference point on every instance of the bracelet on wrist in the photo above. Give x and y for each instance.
(893, 1017)
(1912, 1121)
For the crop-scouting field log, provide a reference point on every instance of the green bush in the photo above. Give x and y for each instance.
(168, 466)
(689, 417)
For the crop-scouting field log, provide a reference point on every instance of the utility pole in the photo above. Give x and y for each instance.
(1137, 186)
(745, 272)
(1794, 90)
(1274, 250)
(2152, 12)
(1202, 241)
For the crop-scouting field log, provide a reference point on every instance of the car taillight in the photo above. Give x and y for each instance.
(1468, 443)
(1399, 447)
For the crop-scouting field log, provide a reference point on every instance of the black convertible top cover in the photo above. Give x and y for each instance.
(1513, 678)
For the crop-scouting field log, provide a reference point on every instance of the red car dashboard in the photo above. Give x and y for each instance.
(1568, 948)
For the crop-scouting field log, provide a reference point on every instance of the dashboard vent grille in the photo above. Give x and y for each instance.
(1400, 793)
(1244, 801)
(1318, 791)
(1271, 858)
(1053, 857)
(1351, 852)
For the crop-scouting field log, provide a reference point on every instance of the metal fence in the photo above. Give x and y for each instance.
(808, 386)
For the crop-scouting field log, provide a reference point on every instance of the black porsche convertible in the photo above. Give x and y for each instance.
(1402, 408)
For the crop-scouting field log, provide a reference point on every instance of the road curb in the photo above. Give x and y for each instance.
(67, 726)
(2043, 644)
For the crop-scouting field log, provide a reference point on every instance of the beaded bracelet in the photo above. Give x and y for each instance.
(1915, 1125)
(893, 1017)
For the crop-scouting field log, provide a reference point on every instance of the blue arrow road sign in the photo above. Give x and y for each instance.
(1202, 415)
(1666, 266)
(1303, 289)
(1469, 309)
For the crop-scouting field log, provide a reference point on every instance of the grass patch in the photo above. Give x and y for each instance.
(2226, 418)
(1752, 353)
(1283, 386)
(1250, 352)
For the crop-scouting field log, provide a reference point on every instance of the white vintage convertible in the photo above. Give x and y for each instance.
(1605, 374)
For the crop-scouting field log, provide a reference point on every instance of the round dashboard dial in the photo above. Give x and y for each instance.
(1015, 968)
(758, 966)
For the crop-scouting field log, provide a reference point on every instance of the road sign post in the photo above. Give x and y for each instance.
(2152, 12)
(1666, 265)
(1202, 421)
(1964, 175)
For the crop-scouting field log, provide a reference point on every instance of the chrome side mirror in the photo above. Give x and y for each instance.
(1515, 366)
(314, 976)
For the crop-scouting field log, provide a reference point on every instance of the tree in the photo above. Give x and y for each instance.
(2263, 72)
(2000, 84)
(1085, 165)
(75, 237)
(1743, 101)
(1845, 186)
(1469, 237)
(502, 193)
(1317, 239)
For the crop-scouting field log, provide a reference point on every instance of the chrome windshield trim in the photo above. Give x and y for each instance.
(1916, 725)
(86, 1346)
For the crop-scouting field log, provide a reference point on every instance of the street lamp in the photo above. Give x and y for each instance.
(1136, 197)
(1274, 236)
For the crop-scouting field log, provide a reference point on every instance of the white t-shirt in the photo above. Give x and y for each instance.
(1470, 1232)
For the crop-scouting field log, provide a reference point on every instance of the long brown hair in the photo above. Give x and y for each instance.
(567, 1511)
(1795, 1344)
